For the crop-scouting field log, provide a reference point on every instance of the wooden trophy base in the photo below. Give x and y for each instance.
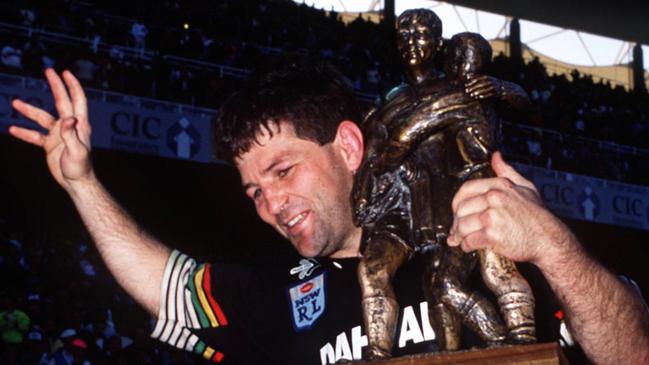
(536, 354)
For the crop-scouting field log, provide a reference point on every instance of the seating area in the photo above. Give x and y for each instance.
(70, 306)
(198, 53)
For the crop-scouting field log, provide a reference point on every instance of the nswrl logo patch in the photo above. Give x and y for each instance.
(307, 300)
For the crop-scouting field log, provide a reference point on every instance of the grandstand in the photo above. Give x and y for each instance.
(583, 130)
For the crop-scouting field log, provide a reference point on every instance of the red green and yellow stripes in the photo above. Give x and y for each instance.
(208, 352)
(187, 304)
(208, 311)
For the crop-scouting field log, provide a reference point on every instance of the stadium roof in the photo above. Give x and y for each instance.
(601, 34)
(621, 19)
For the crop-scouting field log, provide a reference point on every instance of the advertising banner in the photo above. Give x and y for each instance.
(139, 125)
(591, 199)
(122, 122)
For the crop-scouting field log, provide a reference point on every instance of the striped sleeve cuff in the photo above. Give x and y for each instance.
(187, 303)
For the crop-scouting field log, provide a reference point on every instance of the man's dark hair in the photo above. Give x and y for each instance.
(312, 98)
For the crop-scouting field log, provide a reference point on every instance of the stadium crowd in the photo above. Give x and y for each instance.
(59, 306)
(198, 53)
(188, 52)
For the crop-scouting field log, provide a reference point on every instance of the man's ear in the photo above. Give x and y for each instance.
(349, 140)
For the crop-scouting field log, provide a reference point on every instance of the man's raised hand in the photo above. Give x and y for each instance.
(134, 258)
(67, 142)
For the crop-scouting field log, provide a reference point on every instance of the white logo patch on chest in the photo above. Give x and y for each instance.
(307, 300)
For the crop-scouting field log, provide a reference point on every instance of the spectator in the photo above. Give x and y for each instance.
(36, 351)
(14, 323)
(139, 32)
(85, 70)
(79, 352)
(28, 16)
(64, 354)
(244, 35)
(11, 55)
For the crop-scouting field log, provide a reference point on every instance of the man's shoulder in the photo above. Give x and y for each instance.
(285, 268)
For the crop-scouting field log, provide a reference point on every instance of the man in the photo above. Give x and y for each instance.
(292, 137)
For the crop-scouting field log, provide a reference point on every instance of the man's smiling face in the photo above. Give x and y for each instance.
(302, 189)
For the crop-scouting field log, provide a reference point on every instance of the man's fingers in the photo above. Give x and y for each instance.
(27, 135)
(472, 205)
(80, 105)
(471, 242)
(61, 98)
(70, 137)
(467, 225)
(475, 241)
(477, 187)
(38, 115)
(503, 169)
(79, 102)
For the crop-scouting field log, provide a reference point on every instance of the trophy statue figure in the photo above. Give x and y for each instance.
(432, 135)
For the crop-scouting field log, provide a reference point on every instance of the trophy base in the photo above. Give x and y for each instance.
(536, 354)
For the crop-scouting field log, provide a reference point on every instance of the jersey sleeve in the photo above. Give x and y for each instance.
(187, 305)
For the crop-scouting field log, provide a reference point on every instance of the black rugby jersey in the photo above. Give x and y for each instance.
(294, 310)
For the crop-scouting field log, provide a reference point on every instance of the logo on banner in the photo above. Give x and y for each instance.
(307, 301)
(588, 204)
(183, 139)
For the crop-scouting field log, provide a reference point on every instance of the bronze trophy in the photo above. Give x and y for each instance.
(429, 137)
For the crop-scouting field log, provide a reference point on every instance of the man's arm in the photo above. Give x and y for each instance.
(135, 259)
(608, 319)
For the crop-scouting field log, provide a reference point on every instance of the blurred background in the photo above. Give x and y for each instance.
(156, 72)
